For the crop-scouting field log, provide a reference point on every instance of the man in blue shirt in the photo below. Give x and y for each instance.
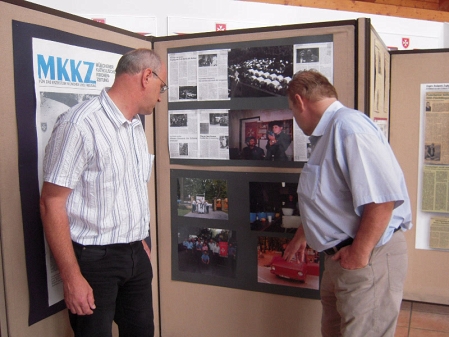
(354, 206)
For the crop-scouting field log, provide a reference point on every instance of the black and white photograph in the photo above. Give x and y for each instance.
(183, 149)
(178, 120)
(260, 71)
(207, 60)
(432, 152)
(188, 92)
(220, 119)
(300, 272)
(207, 251)
(307, 55)
(202, 198)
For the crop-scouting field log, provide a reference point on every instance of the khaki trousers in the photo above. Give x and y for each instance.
(365, 302)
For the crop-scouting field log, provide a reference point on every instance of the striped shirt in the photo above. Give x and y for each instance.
(103, 157)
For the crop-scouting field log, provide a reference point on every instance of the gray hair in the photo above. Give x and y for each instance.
(134, 61)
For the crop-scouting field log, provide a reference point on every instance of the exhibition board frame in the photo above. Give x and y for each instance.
(428, 268)
(351, 59)
(19, 310)
(250, 312)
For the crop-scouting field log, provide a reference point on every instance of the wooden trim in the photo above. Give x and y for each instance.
(366, 7)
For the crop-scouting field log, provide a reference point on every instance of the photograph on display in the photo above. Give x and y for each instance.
(300, 272)
(273, 207)
(207, 251)
(262, 135)
(260, 71)
(202, 198)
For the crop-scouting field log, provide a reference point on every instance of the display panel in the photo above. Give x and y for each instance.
(23, 34)
(233, 77)
(237, 236)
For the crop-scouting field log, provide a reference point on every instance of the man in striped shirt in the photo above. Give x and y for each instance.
(94, 201)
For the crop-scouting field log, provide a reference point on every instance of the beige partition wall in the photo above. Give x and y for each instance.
(428, 273)
(192, 309)
(14, 298)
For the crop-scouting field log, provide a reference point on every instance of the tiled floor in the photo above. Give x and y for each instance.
(418, 319)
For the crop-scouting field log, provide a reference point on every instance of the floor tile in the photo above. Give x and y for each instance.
(427, 333)
(432, 308)
(404, 317)
(401, 331)
(406, 305)
(429, 321)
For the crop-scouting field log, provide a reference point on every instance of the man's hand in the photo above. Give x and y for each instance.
(147, 249)
(78, 296)
(349, 259)
(296, 246)
(374, 221)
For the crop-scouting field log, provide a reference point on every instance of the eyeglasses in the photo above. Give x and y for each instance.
(164, 88)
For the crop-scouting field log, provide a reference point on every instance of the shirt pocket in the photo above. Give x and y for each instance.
(308, 181)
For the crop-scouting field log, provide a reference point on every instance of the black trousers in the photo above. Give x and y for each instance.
(120, 276)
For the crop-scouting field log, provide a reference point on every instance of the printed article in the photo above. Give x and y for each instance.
(195, 134)
(439, 233)
(435, 187)
(318, 56)
(436, 149)
(437, 126)
(198, 76)
(64, 75)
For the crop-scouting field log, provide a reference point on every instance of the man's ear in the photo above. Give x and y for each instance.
(146, 75)
(299, 101)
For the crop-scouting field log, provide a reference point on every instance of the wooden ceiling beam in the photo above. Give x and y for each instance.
(370, 8)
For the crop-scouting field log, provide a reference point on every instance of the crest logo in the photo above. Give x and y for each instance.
(220, 27)
(44, 127)
(405, 42)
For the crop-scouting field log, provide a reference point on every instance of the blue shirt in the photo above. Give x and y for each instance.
(351, 165)
(103, 157)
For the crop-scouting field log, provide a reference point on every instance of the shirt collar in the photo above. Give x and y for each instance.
(114, 113)
(322, 125)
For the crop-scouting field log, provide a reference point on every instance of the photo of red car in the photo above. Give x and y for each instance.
(289, 269)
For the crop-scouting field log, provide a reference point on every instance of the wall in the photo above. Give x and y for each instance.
(178, 16)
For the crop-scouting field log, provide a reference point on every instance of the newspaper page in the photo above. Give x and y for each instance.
(436, 149)
(380, 84)
(198, 75)
(439, 233)
(64, 75)
(437, 124)
(433, 163)
(318, 56)
(301, 147)
(199, 134)
(435, 187)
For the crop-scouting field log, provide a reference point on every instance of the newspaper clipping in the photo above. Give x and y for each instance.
(198, 76)
(436, 149)
(433, 180)
(64, 75)
(318, 56)
(198, 134)
(439, 233)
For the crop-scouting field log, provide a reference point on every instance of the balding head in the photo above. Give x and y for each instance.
(137, 60)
